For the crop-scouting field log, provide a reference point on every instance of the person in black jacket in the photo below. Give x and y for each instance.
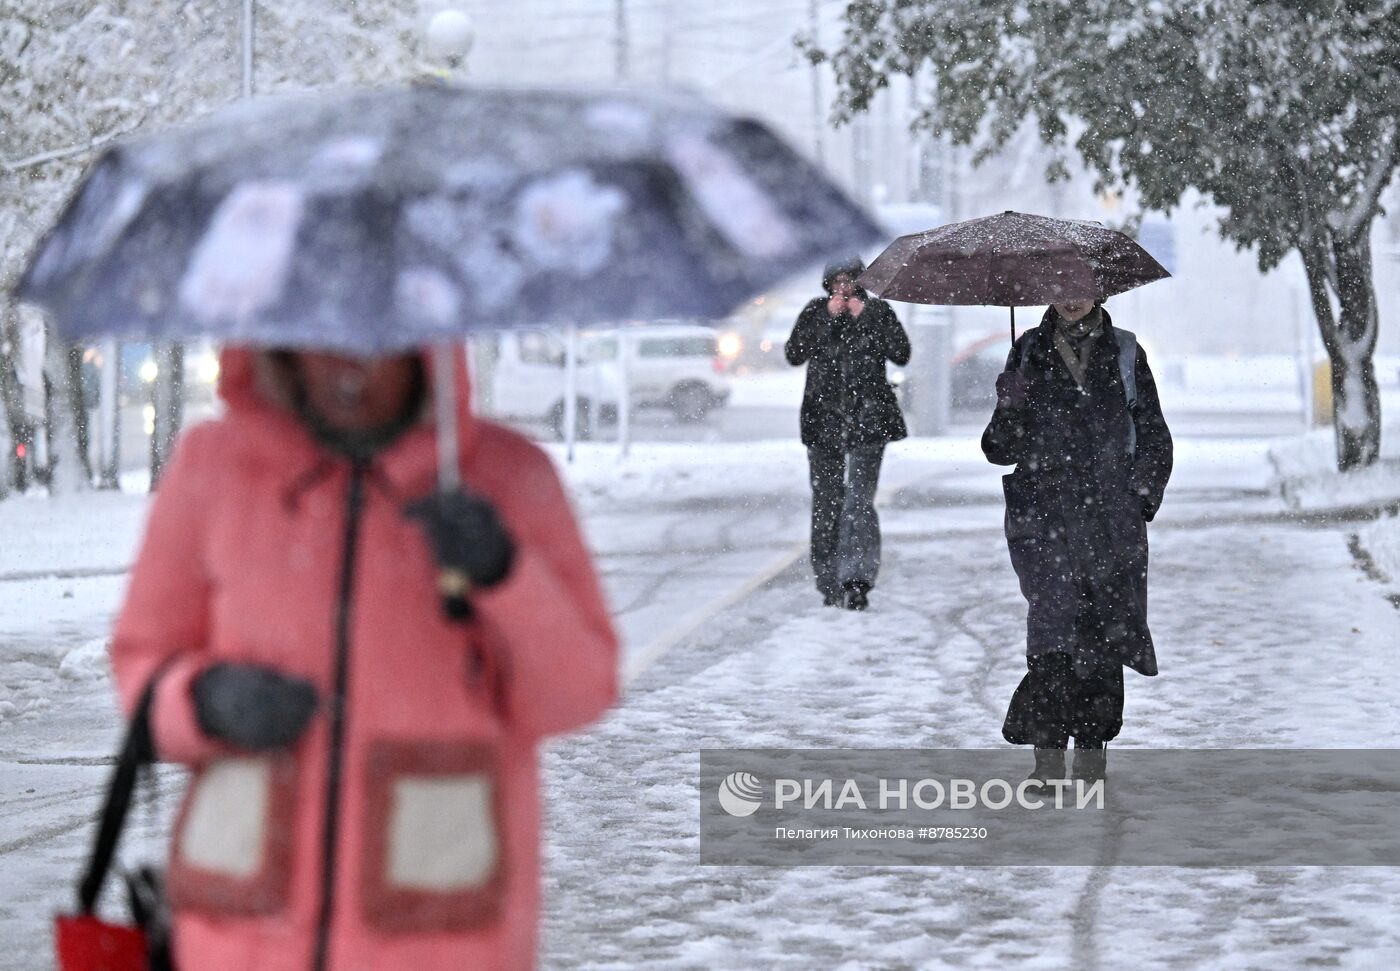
(849, 414)
(1078, 415)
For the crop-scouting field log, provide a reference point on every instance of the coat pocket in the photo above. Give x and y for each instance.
(1024, 519)
(233, 840)
(435, 854)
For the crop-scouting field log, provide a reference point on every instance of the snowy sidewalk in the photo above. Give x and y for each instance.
(1267, 634)
(676, 530)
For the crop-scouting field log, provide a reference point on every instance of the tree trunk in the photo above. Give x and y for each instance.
(78, 405)
(1355, 394)
(69, 469)
(21, 429)
(1344, 268)
(167, 398)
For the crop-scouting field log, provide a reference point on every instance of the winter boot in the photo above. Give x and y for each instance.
(831, 600)
(1049, 765)
(1090, 764)
(857, 596)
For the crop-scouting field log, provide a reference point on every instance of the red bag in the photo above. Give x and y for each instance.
(84, 942)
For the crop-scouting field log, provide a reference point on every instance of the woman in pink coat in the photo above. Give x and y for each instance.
(365, 780)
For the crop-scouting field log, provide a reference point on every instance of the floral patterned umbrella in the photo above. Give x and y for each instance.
(377, 220)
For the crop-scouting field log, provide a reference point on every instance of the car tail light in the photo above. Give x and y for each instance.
(718, 364)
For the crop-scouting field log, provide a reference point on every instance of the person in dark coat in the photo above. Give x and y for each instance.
(849, 415)
(1078, 415)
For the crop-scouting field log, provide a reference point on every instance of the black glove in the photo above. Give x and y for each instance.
(469, 542)
(1012, 388)
(1144, 498)
(252, 707)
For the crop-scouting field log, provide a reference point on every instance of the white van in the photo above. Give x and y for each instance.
(673, 366)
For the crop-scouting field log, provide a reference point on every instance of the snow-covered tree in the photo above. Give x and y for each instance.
(1282, 113)
(75, 75)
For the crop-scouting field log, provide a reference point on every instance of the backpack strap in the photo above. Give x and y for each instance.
(1127, 370)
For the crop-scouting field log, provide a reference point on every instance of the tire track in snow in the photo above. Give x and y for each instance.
(152, 797)
(694, 558)
(42, 834)
(77, 573)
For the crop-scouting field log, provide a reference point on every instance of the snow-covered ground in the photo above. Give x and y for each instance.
(1305, 473)
(1305, 468)
(1267, 632)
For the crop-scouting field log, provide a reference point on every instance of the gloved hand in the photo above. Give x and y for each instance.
(1012, 388)
(469, 542)
(252, 707)
(1144, 498)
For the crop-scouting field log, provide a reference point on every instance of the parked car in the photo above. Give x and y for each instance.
(672, 366)
(527, 381)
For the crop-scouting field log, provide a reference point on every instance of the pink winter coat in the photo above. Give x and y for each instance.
(404, 834)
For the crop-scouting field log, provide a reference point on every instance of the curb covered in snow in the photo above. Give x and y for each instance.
(1306, 475)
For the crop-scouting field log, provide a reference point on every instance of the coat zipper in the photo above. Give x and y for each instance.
(354, 506)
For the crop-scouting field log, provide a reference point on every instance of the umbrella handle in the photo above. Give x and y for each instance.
(1013, 326)
(453, 585)
(455, 588)
(445, 413)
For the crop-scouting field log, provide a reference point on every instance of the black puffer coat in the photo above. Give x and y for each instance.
(848, 401)
(1078, 503)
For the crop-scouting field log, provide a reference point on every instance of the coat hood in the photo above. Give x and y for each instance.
(249, 382)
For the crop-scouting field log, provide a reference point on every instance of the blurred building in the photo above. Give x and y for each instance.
(741, 54)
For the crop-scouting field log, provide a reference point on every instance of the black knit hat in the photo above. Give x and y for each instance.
(852, 266)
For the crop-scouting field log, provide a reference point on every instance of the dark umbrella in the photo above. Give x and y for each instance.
(1011, 260)
(372, 221)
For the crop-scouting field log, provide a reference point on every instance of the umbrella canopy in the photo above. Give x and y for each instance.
(371, 221)
(1011, 260)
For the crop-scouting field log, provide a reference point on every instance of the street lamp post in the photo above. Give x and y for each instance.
(248, 15)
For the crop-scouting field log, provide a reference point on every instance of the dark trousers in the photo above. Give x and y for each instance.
(845, 526)
(1060, 698)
